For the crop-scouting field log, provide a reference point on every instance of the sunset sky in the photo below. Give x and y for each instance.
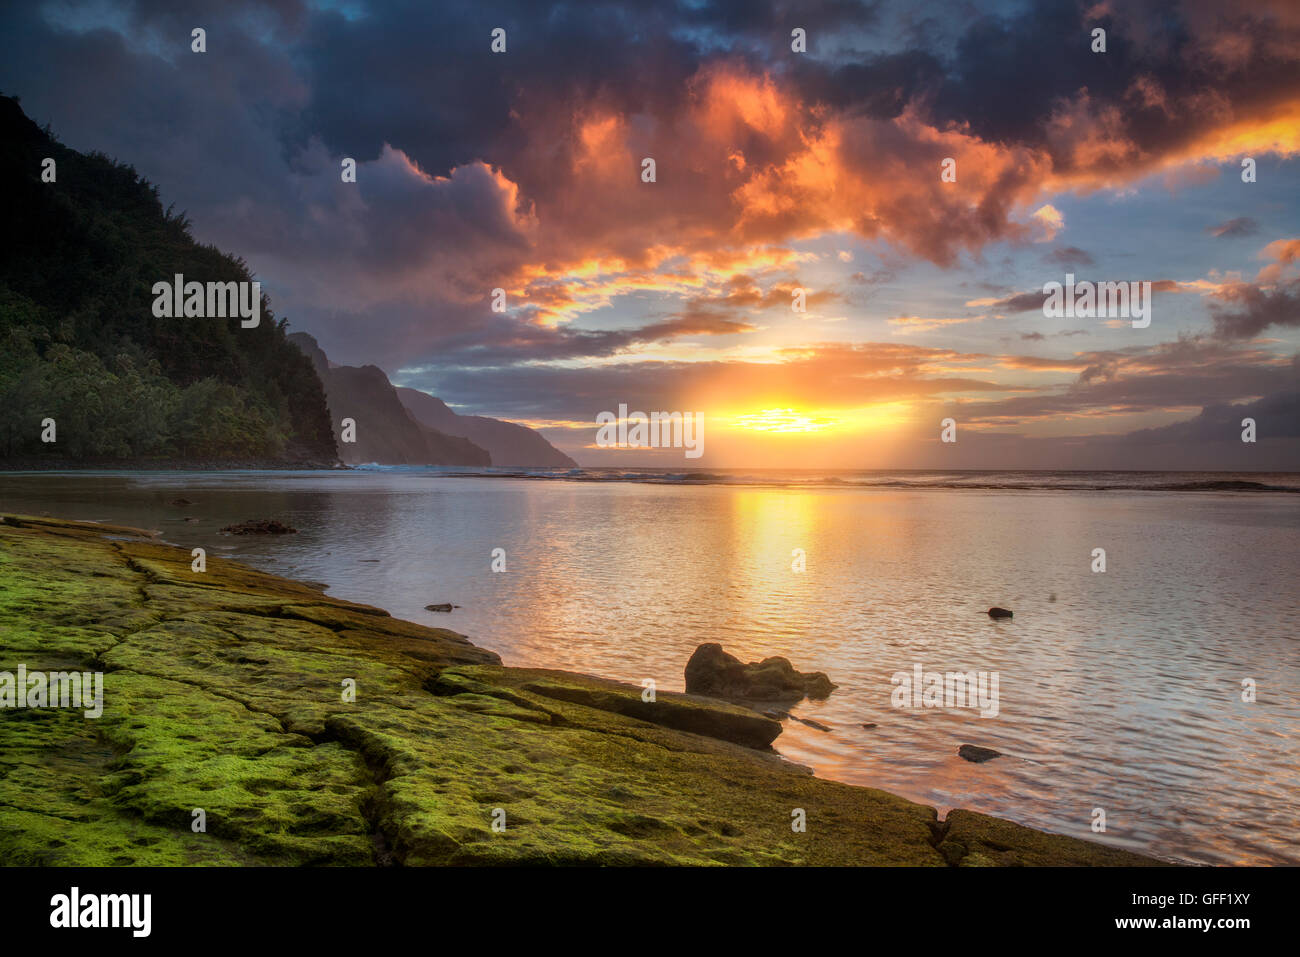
(775, 170)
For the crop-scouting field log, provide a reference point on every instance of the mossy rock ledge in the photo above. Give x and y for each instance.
(223, 691)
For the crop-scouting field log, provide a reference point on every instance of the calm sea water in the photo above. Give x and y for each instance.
(1118, 690)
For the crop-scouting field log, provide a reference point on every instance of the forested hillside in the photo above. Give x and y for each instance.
(80, 344)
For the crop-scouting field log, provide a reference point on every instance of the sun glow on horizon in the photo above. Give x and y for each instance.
(787, 420)
(781, 421)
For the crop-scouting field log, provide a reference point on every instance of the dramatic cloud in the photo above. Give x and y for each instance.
(1244, 310)
(774, 171)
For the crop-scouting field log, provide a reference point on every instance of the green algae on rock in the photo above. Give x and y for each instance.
(223, 693)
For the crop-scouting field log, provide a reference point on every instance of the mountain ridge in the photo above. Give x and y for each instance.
(383, 431)
(509, 443)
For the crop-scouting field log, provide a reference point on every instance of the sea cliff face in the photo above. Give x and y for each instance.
(225, 692)
(384, 430)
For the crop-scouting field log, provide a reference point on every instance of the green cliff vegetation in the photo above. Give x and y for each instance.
(223, 691)
(79, 342)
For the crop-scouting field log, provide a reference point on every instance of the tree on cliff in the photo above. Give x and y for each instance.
(79, 342)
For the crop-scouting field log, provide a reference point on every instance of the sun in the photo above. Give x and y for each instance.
(875, 419)
(782, 421)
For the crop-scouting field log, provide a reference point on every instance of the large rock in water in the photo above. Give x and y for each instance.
(711, 671)
(705, 716)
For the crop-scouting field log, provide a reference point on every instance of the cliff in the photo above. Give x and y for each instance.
(385, 432)
(83, 245)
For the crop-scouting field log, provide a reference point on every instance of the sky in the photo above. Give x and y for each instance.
(775, 170)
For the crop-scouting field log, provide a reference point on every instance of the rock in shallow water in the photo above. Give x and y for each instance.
(996, 612)
(267, 526)
(711, 671)
(973, 752)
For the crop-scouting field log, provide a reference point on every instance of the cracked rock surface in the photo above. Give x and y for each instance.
(223, 691)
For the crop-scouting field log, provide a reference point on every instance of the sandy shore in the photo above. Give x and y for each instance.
(225, 692)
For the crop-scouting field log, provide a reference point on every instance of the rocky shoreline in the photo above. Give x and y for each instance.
(311, 730)
(54, 463)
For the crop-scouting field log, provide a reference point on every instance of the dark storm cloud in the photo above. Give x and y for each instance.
(1145, 380)
(469, 340)
(880, 87)
(1234, 228)
(1276, 416)
(1009, 72)
(732, 17)
(421, 76)
(1069, 257)
(1021, 302)
(1244, 310)
(1168, 71)
(1209, 440)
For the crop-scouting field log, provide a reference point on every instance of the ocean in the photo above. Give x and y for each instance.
(1119, 691)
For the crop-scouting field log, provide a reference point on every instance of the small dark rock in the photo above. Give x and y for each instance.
(996, 612)
(973, 752)
(711, 671)
(445, 606)
(870, 724)
(267, 526)
(180, 502)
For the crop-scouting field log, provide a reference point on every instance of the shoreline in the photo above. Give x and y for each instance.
(222, 694)
(28, 466)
